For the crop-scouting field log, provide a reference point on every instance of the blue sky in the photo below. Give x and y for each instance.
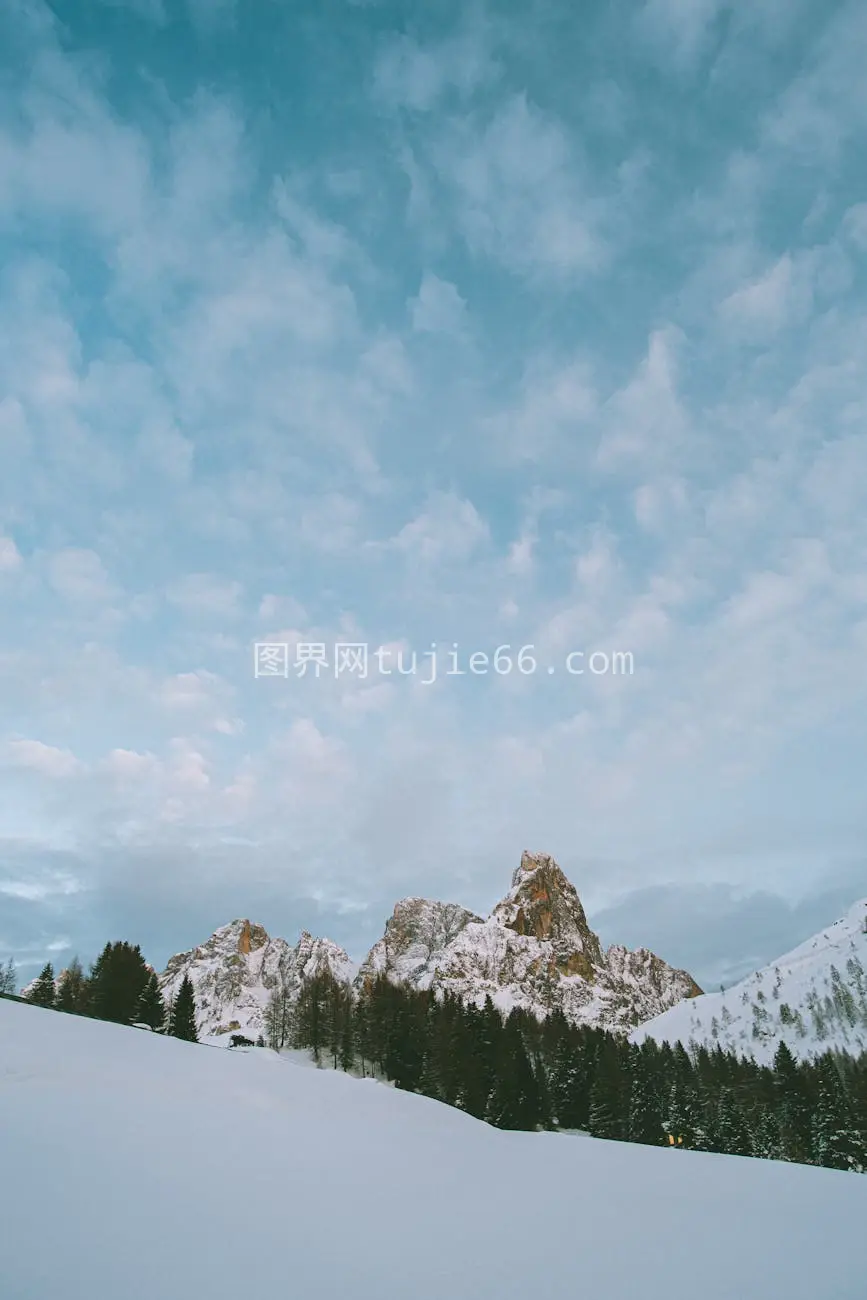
(456, 324)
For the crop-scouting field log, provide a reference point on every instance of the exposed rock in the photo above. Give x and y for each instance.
(234, 972)
(535, 950)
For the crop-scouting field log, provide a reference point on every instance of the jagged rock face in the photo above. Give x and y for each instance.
(416, 935)
(535, 951)
(234, 973)
(544, 905)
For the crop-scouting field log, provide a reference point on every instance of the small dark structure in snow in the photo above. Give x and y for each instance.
(239, 1040)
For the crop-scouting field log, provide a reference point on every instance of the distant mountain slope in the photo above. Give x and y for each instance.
(814, 998)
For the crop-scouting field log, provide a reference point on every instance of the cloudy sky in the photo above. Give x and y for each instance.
(394, 325)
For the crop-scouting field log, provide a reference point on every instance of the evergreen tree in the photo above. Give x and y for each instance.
(44, 993)
(645, 1112)
(483, 1030)
(117, 982)
(182, 1022)
(151, 1009)
(792, 1106)
(609, 1114)
(72, 989)
(837, 1143)
(514, 1101)
(571, 1078)
(732, 1133)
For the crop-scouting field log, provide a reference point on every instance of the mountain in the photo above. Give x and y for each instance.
(535, 951)
(234, 973)
(814, 998)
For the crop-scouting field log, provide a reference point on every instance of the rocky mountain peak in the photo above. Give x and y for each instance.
(416, 933)
(544, 904)
(535, 951)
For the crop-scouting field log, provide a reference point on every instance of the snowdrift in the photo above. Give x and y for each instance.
(136, 1167)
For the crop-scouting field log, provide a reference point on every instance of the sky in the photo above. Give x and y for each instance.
(360, 324)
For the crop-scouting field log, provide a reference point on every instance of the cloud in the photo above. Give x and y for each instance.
(448, 530)
(489, 367)
(10, 556)
(205, 594)
(518, 194)
(438, 308)
(679, 31)
(410, 76)
(79, 576)
(36, 756)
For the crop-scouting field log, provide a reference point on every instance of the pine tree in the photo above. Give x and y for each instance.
(44, 992)
(151, 1009)
(182, 1023)
(609, 1115)
(837, 1142)
(792, 1106)
(514, 1101)
(732, 1134)
(72, 989)
(117, 982)
(645, 1112)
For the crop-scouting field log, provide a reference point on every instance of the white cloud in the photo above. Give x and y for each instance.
(519, 194)
(438, 308)
(408, 75)
(206, 594)
(10, 556)
(79, 576)
(47, 760)
(680, 30)
(448, 530)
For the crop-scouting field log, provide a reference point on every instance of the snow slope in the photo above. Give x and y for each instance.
(141, 1167)
(814, 998)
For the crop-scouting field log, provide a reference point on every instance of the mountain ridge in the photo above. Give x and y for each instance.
(535, 950)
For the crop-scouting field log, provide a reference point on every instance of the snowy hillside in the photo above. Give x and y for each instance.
(814, 998)
(141, 1167)
(234, 972)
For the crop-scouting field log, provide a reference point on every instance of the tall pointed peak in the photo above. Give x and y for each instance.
(544, 904)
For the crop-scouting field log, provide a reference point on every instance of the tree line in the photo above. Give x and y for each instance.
(120, 987)
(517, 1072)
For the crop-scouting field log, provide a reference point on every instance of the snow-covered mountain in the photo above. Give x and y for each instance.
(234, 973)
(814, 998)
(268, 1177)
(535, 950)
